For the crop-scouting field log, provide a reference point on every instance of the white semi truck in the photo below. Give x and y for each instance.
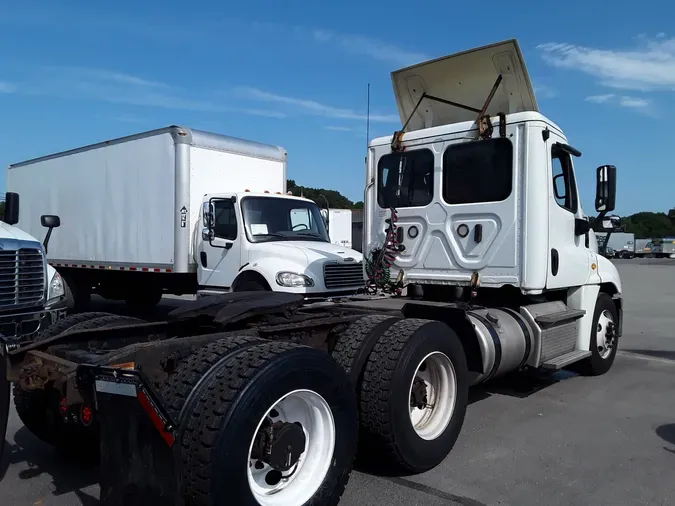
(180, 211)
(257, 398)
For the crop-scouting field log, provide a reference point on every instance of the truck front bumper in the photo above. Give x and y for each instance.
(24, 325)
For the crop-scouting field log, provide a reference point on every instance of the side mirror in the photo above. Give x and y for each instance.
(11, 216)
(324, 215)
(581, 227)
(50, 221)
(605, 192)
(611, 223)
(208, 221)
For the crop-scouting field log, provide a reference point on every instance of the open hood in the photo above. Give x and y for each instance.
(466, 78)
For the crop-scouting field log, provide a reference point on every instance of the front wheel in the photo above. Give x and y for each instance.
(604, 341)
(274, 424)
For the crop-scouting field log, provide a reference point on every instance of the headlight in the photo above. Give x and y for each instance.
(293, 279)
(56, 288)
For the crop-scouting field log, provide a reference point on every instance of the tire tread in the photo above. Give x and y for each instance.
(376, 435)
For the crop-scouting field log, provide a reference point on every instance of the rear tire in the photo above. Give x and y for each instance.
(65, 324)
(419, 362)
(176, 390)
(238, 395)
(355, 343)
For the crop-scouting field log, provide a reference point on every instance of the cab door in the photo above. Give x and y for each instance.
(569, 259)
(220, 247)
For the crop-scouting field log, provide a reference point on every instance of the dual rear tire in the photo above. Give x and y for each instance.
(411, 380)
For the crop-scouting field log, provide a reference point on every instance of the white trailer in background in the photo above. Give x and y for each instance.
(180, 211)
(622, 243)
(643, 247)
(340, 227)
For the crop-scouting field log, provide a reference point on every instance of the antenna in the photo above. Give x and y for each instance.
(368, 119)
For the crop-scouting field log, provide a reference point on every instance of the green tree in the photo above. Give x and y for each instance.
(335, 199)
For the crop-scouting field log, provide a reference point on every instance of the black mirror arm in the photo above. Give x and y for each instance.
(46, 241)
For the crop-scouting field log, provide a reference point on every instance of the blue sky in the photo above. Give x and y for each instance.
(295, 74)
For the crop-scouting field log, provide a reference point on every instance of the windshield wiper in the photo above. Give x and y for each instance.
(312, 234)
(272, 234)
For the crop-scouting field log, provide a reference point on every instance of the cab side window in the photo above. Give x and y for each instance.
(225, 219)
(564, 187)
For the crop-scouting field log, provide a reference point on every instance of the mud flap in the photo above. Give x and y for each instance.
(137, 457)
(4, 398)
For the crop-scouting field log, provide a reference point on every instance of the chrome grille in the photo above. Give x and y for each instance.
(22, 278)
(343, 275)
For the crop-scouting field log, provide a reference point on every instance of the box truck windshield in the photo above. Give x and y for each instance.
(282, 219)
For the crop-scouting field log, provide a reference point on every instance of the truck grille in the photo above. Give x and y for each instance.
(22, 278)
(346, 275)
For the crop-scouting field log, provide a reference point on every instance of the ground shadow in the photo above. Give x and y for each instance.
(667, 433)
(67, 476)
(523, 384)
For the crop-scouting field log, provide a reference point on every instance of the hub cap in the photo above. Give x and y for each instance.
(292, 450)
(605, 334)
(432, 396)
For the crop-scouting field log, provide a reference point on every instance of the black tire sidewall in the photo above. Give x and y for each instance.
(296, 370)
(599, 364)
(419, 453)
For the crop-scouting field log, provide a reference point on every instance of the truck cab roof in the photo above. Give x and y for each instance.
(270, 195)
(468, 128)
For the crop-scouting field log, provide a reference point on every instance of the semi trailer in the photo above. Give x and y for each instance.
(259, 398)
(643, 248)
(622, 243)
(180, 211)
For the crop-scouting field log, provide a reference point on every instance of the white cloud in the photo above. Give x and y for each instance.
(374, 48)
(649, 66)
(600, 99)
(6, 87)
(339, 128)
(635, 103)
(544, 91)
(311, 106)
(122, 88)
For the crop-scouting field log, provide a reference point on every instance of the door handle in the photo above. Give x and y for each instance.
(555, 261)
(478, 233)
(203, 259)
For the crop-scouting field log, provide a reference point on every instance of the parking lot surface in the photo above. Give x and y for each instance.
(558, 441)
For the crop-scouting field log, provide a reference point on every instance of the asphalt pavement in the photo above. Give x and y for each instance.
(566, 441)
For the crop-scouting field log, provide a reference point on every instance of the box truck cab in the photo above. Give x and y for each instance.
(263, 241)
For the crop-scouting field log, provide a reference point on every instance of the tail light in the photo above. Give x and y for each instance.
(86, 415)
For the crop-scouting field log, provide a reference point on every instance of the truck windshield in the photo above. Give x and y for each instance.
(282, 219)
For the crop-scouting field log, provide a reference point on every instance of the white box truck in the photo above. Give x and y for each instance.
(180, 211)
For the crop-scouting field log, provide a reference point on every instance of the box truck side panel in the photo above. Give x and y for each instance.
(116, 202)
(214, 171)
